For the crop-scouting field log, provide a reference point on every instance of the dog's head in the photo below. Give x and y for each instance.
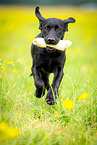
(53, 29)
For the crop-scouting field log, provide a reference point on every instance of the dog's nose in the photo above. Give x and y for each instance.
(51, 40)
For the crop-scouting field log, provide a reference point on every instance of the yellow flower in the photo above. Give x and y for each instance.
(68, 104)
(10, 62)
(3, 68)
(12, 132)
(3, 126)
(15, 71)
(7, 131)
(83, 96)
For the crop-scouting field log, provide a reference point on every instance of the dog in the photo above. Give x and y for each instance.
(49, 60)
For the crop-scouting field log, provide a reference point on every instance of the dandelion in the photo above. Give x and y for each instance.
(15, 71)
(3, 126)
(3, 68)
(7, 131)
(10, 62)
(83, 96)
(68, 104)
(13, 132)
(3, 129)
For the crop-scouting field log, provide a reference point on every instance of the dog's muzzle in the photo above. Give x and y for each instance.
(50, 49)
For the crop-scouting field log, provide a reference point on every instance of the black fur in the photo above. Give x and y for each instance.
(49, 60)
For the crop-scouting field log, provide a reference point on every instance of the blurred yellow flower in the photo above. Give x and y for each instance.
(13, 132)
(15, 71)
(83, 96)
(10, 62)
(3, 68)
(7, 131)
(68, 104)
(3, 126)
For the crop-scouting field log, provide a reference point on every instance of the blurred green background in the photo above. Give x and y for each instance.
(48, 2)
(37, 122)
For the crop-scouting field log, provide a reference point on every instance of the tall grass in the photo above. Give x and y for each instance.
(37, 122)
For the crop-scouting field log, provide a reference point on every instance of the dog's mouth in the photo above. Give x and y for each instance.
(50, 49)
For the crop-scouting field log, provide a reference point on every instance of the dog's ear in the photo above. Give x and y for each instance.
(38, 15)
(67, 21)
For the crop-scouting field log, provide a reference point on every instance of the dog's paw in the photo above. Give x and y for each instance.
(40, 92)
(49, 99)
(50, 102)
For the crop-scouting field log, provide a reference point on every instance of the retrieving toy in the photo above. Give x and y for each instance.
(61, 45)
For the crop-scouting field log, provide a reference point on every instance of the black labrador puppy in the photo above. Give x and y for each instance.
(49, 60)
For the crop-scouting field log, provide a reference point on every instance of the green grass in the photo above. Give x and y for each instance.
(37, 122)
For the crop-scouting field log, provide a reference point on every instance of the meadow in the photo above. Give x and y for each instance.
(26, 120)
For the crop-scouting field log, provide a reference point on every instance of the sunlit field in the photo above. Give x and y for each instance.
(26, 120)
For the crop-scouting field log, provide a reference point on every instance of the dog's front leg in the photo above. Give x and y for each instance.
(38, 82)
(58, 75)
(53, 91)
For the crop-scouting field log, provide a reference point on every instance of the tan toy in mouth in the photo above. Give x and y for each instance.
(61, 45)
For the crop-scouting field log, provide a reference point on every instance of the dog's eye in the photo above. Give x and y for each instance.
(58, 29)
(46, 28)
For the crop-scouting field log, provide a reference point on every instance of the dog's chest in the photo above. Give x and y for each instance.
(49, 67)
(48, 62)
